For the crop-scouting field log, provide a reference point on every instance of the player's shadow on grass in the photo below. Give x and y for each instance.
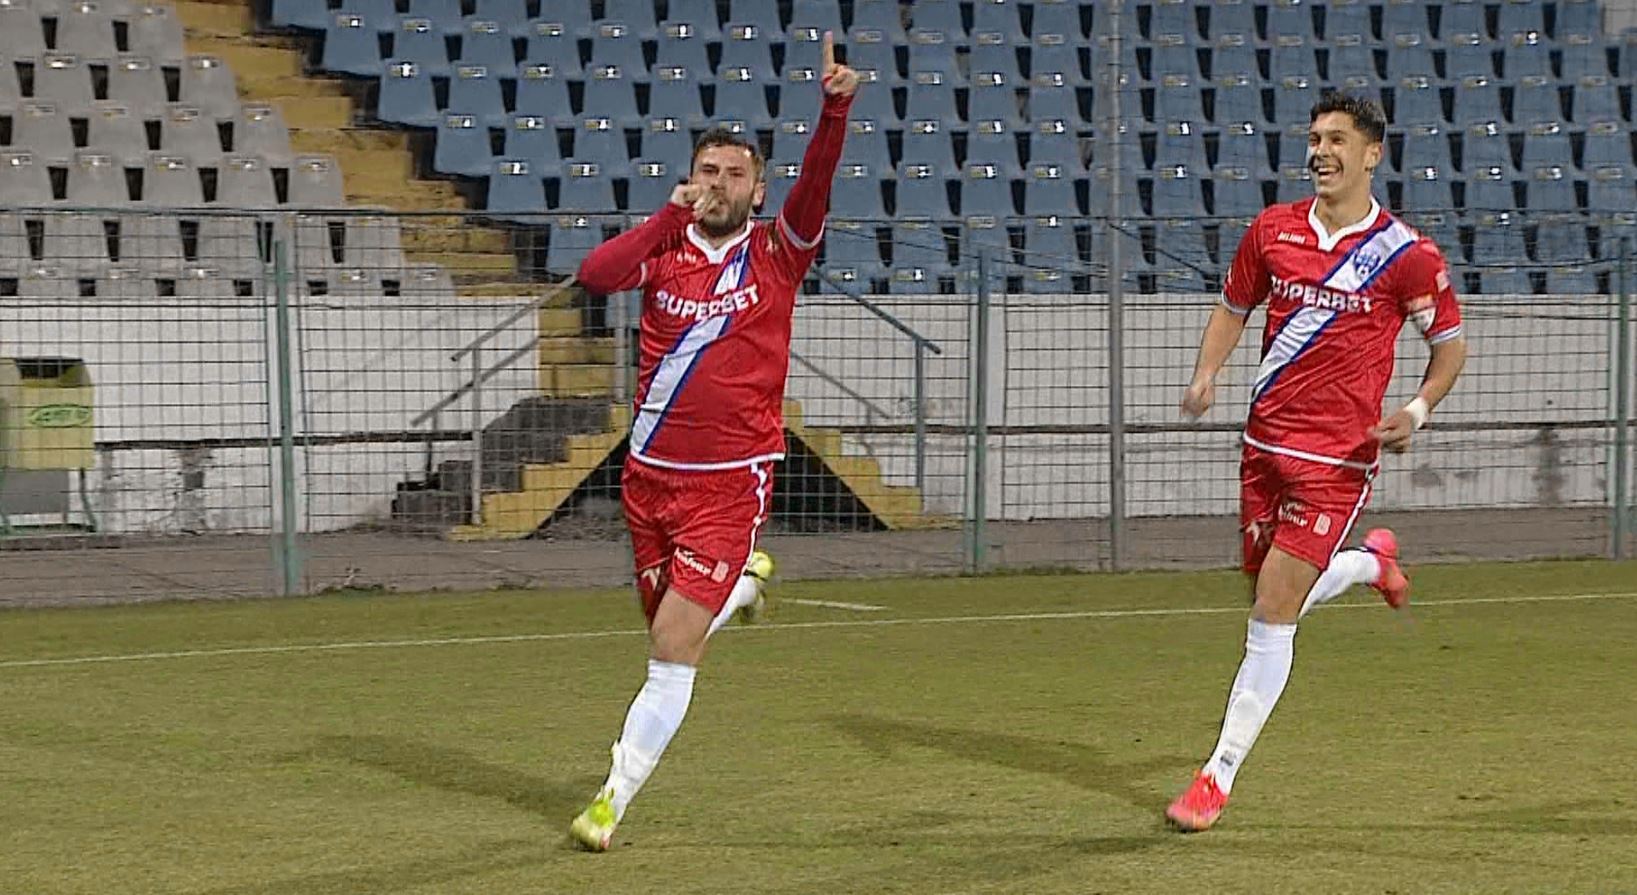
(1077, 764)
(452, 770)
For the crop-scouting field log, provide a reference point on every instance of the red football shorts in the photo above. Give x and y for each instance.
(1303, 507)
(693, 531)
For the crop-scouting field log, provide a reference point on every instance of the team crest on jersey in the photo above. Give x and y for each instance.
(1365, 263)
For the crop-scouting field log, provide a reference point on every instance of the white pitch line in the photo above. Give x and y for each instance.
(342, 646)
(832, 604)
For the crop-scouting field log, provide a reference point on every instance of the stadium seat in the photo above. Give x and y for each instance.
(1352, 57)
(802, 58)
(1346, 17)
(1546, 142)
(153, 242)
(1173, 54)
(1489, 190)
(930, 96)
(1410, 54)
(373, 242)
(352, 283)
(1426, 146)
(1468, 54)
(999, 17)
(76, 243)
(815, 15)
(1181, 256)
(419, 41)
(987, 192)
(427, 281)
(1521, 15)
(934, 51)
(885, 16)
(241, 182)
(126, 284)
(1055, 100)
(1559, 239)
(857, 192)
(1607, 143)
(352, 45)
(1052, 141)
(486, 43)
(742, 96)
(382, 15)
(789, 142)
(1048, 189)
(1233, 54)
(871, 50)
(615, 44)
(1527, 54)
(1485, 146)
(1050, 242)
(700, 14)
(22, 35)
(172, 182)
(1583, 55)
(112, 129)
(1426, 188)
(922, 190)
(554, 44)
(927, 142)
(23, 180)
(599, 140)
(1177, 98)
(1404, 17)
(86, 30)
(866, 143)
(1178, 190)
(46, 282)
(310, 14)
(1058, 17)
(43, 129)
(1294, 182)
(1293, 98)
(587, 187)
(187, 132)
(1477, 100)
(1231, 17)
(463, 146)
(920, 258)
(637, 16)
(609, 93)
(764, 16)
(1290, 17)
(747, 46)
(1236, 191)
(650, 183)
(1611, 189)
(1594, 98)
(850, 258)
(64, 81)
(259, 130)
(514, 189)
(1417, 101)
(1535, 98)
(572, 238)
(682, 46)
(938, 15)
(139, 84)
(1238, 100)
(542, 91)
(97, 179)
(1463, 17)
(1292, 57)
(475, 90)
(1243, 145)
(446, 15)
(1551, 188)
(668, 140)
(874, 102)
(993, 98)
(313, 247)
(781, 176)
(207, 82)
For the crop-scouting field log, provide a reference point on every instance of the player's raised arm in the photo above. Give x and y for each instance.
(1247, 286)
(621, 262)
(1435, 311)
(802, 218)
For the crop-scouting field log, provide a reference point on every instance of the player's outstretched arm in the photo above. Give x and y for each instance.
(1444, 367)
(618, 264)
(1221, 337)
(809, 199)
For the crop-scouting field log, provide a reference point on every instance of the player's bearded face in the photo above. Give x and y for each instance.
(735, 187)
(1340, 156)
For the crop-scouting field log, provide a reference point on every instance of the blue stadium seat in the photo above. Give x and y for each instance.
(1535, 98)
(920, 256)
(1236, 191)
(803, 53)
(781, 176)
(748, 46)
(552, 43)
(939, 15)
(1103, 21)
(1058, 17)
(668, 141)
(511, 15)
(851, 257)
(1102, 194)
(462, 147)
(1102, 55)
(615, 43)
(815, 15)
(681, 46)
(872, 50)
(588, 185)
(573, 18)
(764, 16)
(418, 40)
(922, 190)
(800, 99)
(999, 17)
(406, 96)
(1294, 182)
(1050, 243)
(1582, 55)
(609, 94)
(515, 189)
(1442, 226)
(1053, 142)
(1233, 54)
(573, 236)
(1052, 55)
(1292, 57)
(1559, 239)
(1468, 54)
(1426, 146)
(1352, 56)
(930, 96)
(542, 91)
(1417, 101)
(1229, 233)
(701, 14)
(934, 51)
(1521, 15)
(742, 96)
(1503, 281)
(1463, 17)
(1347, 17)
(651, 183)
(601, 140)
(993, 98)
(1546, 142)
(1551, 188)
(1485, 146)
(1173, 55)
(1238, 100)
(311, 14)
(991, 55)
(1048, 189)
(1178, 190)
(635, 15)
(856, 193)
(675, 94)
(1594, 98)
(875, 104)
(1055, 101)
(994, 144)
(790, 138)
(1578, 17)
(1607, 143)
(1177, 98)
(1574, 279)
(1410, 54)
(1290, 17)
(1477, 100)
(928, 143)
(1173, 17)
(1180, 255)
(867, 143)
(445, 14)
(533, 139)
(352, 46)
(1232, 17)
(1293, 98)
(986, 191)
(476, 91)
(1427, 188)
(1180, 142)
(382, 15)
(1405, 17)
(878, 15)
(1611, 189)
(1489, 189)
(487, 43)
(1243, 145)
(1526, 54)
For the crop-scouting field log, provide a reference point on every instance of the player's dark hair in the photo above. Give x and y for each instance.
(722, 136)
(1366, 113)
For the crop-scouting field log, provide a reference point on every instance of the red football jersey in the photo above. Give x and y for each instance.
(1336, 303)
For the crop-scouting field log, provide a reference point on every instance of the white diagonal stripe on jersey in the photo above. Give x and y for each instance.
(1299, 332)
(672, 371)
(734, 271)
(1369, 258)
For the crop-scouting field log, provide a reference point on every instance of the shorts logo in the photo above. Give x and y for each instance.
(1321, 525)
(688, 560)
(720, 573)
(1293, 513)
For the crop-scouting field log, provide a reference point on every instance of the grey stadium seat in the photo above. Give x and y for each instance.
(24, 181)
(187, 131)
(64, 79)
(260, 131)
(43, 128)
(172, 182)
(207, 82)
(156, 32)
(126, 284)
(139, 83)
(97, 179)
(316, 182)
(152, 242)
(76, 242)
(112, 129)
(247, 182)
(374, 242)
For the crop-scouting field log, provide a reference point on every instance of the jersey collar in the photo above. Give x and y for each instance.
(1327, 240)
(714, 255)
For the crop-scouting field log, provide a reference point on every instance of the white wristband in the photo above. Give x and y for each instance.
(1418, 411)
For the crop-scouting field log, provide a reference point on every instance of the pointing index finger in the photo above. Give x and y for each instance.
(829, 51)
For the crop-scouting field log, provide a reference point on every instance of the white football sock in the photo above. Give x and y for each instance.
(1348, 568)
(744, 593)
(1269, 650)
(650, 723)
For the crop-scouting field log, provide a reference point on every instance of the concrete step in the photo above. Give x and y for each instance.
(252, 61)
(310, 112)
(451, 234)
(492, 263)
(575, 350)
(211, 19)
(335, 141)
(560, 322)
(577, 380)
